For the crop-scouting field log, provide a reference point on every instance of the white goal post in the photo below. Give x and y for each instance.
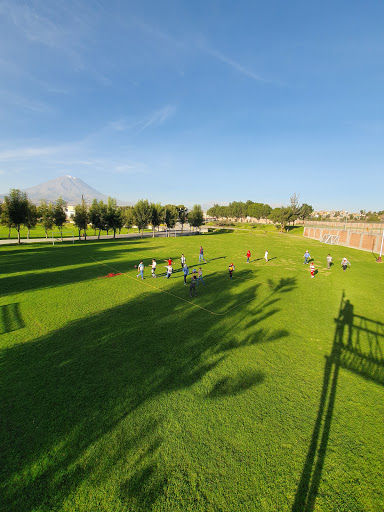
(330, 239)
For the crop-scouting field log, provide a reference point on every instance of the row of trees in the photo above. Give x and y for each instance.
(282, 216)
(110, 216)
(17, 211)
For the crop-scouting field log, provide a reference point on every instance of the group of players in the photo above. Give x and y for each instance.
(196, 278)
(307, 260)
(197, 275)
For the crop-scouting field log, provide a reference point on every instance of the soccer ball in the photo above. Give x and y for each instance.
(135, 266)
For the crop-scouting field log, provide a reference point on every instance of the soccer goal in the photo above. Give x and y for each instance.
(330, 239)
(56, 236)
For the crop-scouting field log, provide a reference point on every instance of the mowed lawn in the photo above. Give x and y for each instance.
(263, 393)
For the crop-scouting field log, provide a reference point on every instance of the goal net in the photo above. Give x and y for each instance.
(330, 239)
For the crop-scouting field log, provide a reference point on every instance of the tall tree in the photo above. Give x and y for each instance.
(214, 211)
(45, 212)
(142, 214)
(5, 219)
(81, 218)
(305, 211)
(59, 215)
(171, 215)
(265, 211)
(196, 216)
(95, 216)
(281, 216)
(157, 216)
(114, 218)
(32, 218)
(16, 207)
(182, 213)
(128, 217)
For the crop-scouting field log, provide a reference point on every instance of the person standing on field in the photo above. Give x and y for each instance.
(153, 267)
(312, 269)
(329, 261)
(231, 268)
(183, 260)
(185, 272)
(140, 268)
(201, 254)
(192, 286)
(345, 263)
(306, 257)
(248, 256)
(200, 277)
(266, 256)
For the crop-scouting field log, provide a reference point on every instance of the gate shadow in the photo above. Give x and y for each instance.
(358, 346)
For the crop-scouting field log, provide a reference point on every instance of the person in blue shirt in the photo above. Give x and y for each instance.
(200, 277)
(185, 272)
(201, 254)
(306, 257)
(140, 268)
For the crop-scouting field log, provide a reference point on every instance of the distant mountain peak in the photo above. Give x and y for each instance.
(70, 189)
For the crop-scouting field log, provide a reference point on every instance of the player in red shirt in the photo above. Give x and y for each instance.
(248, 256)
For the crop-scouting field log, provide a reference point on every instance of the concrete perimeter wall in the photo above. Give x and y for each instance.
(358, 235)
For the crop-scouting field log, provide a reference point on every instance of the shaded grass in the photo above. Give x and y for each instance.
(117, 394)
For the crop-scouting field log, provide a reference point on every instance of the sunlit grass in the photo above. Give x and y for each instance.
(125, 395)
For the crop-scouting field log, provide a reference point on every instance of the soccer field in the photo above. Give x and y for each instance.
(263, 393)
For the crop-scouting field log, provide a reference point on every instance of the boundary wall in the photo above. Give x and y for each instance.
(358, 235)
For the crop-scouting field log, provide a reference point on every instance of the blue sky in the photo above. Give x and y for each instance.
(196, 102)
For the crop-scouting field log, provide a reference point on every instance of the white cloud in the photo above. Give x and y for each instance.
(24, 102)
(22, 153)
(156, 118)
(235, 65)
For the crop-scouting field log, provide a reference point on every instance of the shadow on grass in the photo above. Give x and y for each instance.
(78, 403)
(235, 385)
(10, 318)
(86, 261)
(358, 346)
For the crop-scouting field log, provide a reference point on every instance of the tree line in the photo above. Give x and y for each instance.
(17, 210)
(283, 215)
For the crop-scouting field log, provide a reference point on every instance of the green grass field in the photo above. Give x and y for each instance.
(263, 393)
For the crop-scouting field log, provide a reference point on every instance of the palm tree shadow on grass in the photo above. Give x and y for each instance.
(64, 393)
(358, 346)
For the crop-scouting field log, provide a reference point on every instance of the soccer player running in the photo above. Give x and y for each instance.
(183, 260)
(345, 263)
(248, 256)
(169, 271)
(312, 269)
(231, 268)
